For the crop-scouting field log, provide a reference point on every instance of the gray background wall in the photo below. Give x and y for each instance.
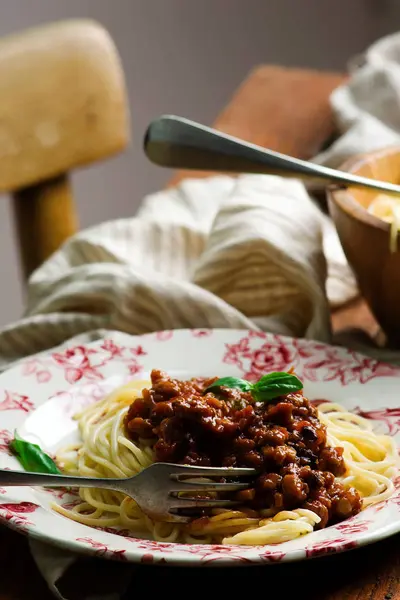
(187, 57)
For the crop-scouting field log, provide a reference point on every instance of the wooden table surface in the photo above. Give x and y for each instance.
(286, 110)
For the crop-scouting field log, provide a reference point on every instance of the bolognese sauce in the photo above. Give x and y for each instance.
(282, 439)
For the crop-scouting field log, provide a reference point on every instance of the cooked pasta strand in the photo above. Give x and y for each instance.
(105, 451)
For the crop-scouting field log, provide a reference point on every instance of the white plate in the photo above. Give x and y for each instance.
(40, 395)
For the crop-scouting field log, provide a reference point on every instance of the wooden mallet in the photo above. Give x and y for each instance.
(62, 105)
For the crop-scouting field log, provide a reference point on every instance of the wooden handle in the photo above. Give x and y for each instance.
(63, 105)
(45, 217)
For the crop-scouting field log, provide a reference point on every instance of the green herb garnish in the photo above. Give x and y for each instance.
(32, 457)
(231, 382)
(266, 388)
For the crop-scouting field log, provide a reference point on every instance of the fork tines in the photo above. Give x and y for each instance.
(187, 482)
(191, 471)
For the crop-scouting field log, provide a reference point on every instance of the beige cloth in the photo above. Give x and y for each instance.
(222, 252)
(252, 252)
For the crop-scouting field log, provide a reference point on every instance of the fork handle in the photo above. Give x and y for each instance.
(176, 142)
(20, 478)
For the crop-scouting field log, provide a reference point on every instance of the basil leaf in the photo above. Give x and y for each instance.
(32, 457)
(275, 384)
(230, 382)
(267, 387)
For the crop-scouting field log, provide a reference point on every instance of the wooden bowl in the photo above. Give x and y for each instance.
(366, 239)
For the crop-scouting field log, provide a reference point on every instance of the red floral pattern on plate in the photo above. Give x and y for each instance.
(395, 500)
(85, 371)
(122, 532)
(318, 401)
(329, 546)
(211, 557)
(77, 363)
(195, 549)
(83, 395)
(14, 513)
(272, 556)
(60, 493)
(201, 333)
(114, 349)
(389, 416)
(19, 507)
(34, 366)
(378, 507)
(5, 439)
(274, 355)
(81, 363)
(14, 401)
(134, 366)
(164, 336)
(149, 559)
(14, 520)
(128, 355)
(138, 351)
(355, 367)
(312, 361)
(103, 550)
(151, 545)
(352, 526)
(70, 505)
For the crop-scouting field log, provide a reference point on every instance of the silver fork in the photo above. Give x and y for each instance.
(155, 489)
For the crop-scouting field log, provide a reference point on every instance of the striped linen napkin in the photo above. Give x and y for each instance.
(252, 252)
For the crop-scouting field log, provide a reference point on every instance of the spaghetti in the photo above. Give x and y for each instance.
(387, 208)
(366, 462)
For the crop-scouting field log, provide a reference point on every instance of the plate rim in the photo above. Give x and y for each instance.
(135, 554)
